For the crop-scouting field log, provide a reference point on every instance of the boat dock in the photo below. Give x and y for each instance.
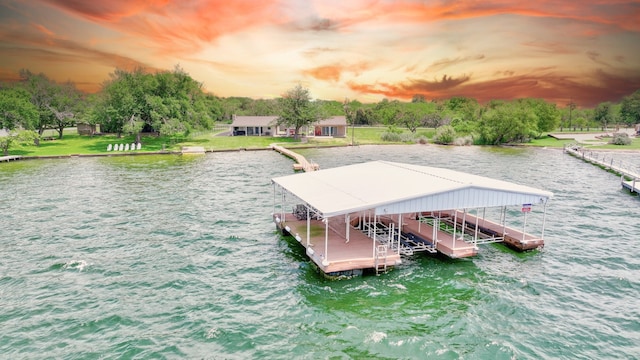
(10, 158)
(630, 174)
(301, 162)
(368, 216)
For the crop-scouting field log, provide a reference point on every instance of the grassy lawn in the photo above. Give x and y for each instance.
(72, 143)
(635, 145)
(549, 141)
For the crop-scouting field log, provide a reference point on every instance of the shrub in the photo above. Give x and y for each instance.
(444, 135)
(620, 139)
(393, 136)
(463, 141)
(390, 136)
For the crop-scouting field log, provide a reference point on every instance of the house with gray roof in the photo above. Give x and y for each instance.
(335, 126)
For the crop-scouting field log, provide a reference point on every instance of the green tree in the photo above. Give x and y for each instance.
(571, 106)
(138, 101)
(387, 112)
(508, 123)
(603, 114)
(16, 109)
(18, 117)
(548, 116)
(630, 108)
(413, 115)
(57, 103)
(463, 108)
(13, 137)
(297, 109)
(462, 113)
(331, 107)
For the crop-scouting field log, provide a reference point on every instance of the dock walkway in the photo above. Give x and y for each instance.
(10, 158)
(625, 170)
(301, 161)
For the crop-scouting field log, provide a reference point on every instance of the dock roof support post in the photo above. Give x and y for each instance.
(544, 216)
(326, 240)
(436, 225)
(274, 198)
(524, 226)
(308, 226)
(282, 205)
(464, 222)
(455, 222)
(348, 223)
(375, 230)
(475, 235)
(504, 220)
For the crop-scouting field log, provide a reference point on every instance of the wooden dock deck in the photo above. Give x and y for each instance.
(337, 255)
(631, 185)
(511, 237)
(445, 244)
(301, 162)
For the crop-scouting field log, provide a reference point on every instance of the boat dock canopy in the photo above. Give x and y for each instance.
(397, 188)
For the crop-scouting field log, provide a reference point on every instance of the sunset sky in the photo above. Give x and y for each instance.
(586, 51)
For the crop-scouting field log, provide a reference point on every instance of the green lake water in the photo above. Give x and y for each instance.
(177, 257)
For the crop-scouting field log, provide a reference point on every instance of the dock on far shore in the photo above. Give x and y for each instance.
(10, 158)
(301, 161)
(625, 170)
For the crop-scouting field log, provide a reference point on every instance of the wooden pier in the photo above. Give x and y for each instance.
(10, 158)
(301, 162)
(630, 175)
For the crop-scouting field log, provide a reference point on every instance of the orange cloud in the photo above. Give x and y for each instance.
(175, 26)
(334, 72)
(619, 14)
(43, 30)
(445, 63)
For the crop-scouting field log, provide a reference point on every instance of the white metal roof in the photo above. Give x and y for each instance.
(394, 188)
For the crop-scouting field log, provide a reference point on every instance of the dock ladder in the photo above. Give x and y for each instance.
(381, 259)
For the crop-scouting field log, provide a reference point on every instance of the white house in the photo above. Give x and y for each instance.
(335, 126)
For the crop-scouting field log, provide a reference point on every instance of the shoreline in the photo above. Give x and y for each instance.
(12, 158)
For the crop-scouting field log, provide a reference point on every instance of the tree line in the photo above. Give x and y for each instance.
(172, 103)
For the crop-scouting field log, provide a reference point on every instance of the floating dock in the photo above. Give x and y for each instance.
(629, 173)
(367, 216)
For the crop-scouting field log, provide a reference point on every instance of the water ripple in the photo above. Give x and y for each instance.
(176, 257)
